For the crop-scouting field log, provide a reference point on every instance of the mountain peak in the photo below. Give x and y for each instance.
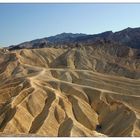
(129, 37)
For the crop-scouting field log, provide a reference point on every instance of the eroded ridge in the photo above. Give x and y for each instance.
(85, 91)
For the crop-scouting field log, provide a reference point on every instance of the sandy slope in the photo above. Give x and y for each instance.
(69, 92)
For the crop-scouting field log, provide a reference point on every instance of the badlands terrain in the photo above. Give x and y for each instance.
(88, 89)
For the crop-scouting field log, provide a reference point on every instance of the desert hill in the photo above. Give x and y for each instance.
(83, 90)
(128, 37)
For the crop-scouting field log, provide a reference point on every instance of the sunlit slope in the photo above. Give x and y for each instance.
(83, 91)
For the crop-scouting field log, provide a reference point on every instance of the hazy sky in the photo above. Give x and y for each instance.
(23, 22)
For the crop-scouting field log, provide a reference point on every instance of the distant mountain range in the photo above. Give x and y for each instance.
(128, 37)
